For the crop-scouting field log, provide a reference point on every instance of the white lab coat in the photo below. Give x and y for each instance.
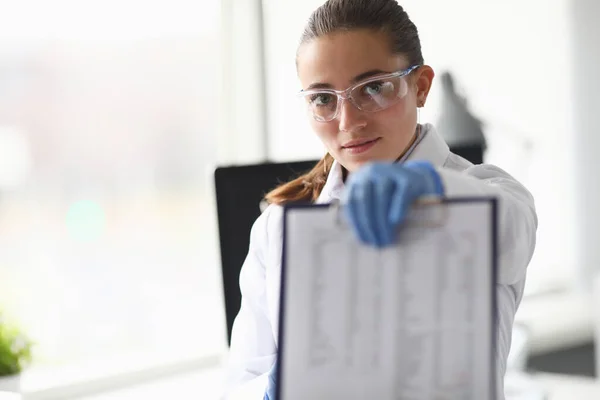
(254, 337)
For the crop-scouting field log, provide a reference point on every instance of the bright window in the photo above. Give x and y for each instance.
(108, 251)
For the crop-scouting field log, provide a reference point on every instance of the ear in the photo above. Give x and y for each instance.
(423, 80)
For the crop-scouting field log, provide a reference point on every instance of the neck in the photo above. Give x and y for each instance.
(412, 141)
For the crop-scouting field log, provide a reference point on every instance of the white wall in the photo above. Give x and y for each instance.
(242, 136)
(290, 136)
(512, 60)
(586, 138)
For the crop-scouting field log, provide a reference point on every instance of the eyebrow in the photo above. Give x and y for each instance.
(357, 78)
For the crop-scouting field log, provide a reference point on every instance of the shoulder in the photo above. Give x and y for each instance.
(484, 171)
(461, 177)
(268, 225)
(265, 231)
(272, 217)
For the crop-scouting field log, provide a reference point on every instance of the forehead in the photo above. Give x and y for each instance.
(337, 58)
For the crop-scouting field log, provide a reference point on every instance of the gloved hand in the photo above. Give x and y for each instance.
(378, 197)
(272, 383)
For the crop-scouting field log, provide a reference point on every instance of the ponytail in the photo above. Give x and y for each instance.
(305, 188)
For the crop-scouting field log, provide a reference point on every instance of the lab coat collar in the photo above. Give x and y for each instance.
(431, 147)
(333, 186)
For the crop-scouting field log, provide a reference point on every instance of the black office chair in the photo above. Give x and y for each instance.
(472, 152)
(239, 191)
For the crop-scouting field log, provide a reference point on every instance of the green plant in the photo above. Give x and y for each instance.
(15, 349)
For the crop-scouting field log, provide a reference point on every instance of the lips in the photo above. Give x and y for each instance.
(359, 146)
(358, 143)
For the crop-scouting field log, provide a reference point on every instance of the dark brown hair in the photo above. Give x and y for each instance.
(385, 16)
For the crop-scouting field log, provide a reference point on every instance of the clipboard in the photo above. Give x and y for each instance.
(425, 220)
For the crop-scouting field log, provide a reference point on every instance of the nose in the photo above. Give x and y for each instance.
(351, 118)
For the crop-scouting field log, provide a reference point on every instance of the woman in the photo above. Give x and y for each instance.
(363, 77)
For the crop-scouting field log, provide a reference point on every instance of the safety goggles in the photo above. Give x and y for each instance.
(371, 95)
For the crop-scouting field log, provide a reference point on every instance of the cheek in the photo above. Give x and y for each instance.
(398, 122)
(396, 117)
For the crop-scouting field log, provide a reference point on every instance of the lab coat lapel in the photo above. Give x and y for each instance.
(334, 185)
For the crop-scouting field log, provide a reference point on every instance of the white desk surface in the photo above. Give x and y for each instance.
(562, 387)
(199, 385)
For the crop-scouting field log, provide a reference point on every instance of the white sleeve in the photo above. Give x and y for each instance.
(253, 349)
(516, 215)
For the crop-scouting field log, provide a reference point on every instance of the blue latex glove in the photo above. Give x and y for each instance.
(379, 195)
(272, 383)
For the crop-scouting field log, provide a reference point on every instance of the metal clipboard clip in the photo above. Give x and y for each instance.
(427, 212)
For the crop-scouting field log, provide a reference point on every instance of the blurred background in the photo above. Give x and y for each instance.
(114, 115)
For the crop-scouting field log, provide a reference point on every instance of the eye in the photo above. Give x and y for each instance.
(320, 99)
(378, 88)
(373, 88)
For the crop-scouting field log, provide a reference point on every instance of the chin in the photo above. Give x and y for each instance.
(353, 165)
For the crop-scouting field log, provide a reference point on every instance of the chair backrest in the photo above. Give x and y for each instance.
(472, 152)
(239, 191)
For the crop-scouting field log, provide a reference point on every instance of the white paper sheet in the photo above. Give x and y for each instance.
(410, 322)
